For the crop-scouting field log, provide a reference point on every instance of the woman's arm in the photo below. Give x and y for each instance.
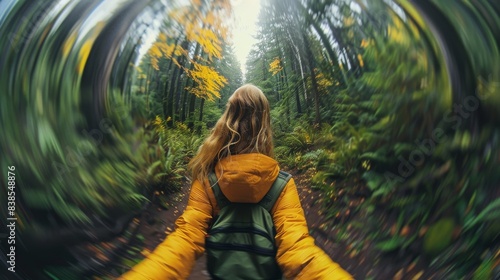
(175, 256)
(298, 256)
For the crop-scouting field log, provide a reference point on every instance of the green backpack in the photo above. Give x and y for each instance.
(240, 244)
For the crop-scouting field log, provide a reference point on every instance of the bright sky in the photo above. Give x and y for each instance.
(246, 14)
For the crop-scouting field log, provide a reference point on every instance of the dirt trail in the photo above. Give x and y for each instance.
(162, 221)
(345, 245)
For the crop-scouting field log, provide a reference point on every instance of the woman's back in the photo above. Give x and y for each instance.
(239, 150)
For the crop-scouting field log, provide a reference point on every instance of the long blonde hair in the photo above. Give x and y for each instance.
(245, 127)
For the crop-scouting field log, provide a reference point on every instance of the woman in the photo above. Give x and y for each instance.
(240, 150)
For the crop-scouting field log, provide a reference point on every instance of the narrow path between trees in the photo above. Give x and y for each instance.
(340, 236)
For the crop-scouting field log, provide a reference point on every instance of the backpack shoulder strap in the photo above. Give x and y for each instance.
(274, 192)
(221, 199)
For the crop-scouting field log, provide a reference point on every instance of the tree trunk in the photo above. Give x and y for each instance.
(192, 104)
(174, 87)
(188, 115)
(343, 47)
(295, 82)
(314, 82)
(202, 104)
(167, 108)
(301, 66)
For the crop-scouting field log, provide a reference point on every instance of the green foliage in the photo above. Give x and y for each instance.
(390, 123)
(377, 83)
(175, 147)
(164, 169)
(489, 213)
(101, 168)
(392, 244)
(211, 113)
(485, 270)
(284, 155)
(301, 139)
(439, 236)
(379, 185)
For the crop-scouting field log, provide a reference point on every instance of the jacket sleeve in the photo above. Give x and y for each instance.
(175, 256)
(298, 256)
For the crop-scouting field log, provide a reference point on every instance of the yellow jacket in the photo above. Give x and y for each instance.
(245, 178)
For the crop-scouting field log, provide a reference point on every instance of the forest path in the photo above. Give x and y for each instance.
(339, 236)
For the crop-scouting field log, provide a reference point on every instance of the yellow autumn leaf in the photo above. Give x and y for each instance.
(209, 42)
(396, 31)
(84, 54)
(323, 82)
(209, 82)
(162, 37)
(155, 51)
(275, 66)
(348, 21)
(360, 59)
(366, 43)
(167, 49)
(418, 275)
(210, 19)
(68, 44)
(180, 51)
(154, 63)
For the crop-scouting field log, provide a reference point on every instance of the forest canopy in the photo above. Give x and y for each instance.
(388, 109)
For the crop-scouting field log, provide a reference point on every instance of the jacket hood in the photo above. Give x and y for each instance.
(246, 178)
